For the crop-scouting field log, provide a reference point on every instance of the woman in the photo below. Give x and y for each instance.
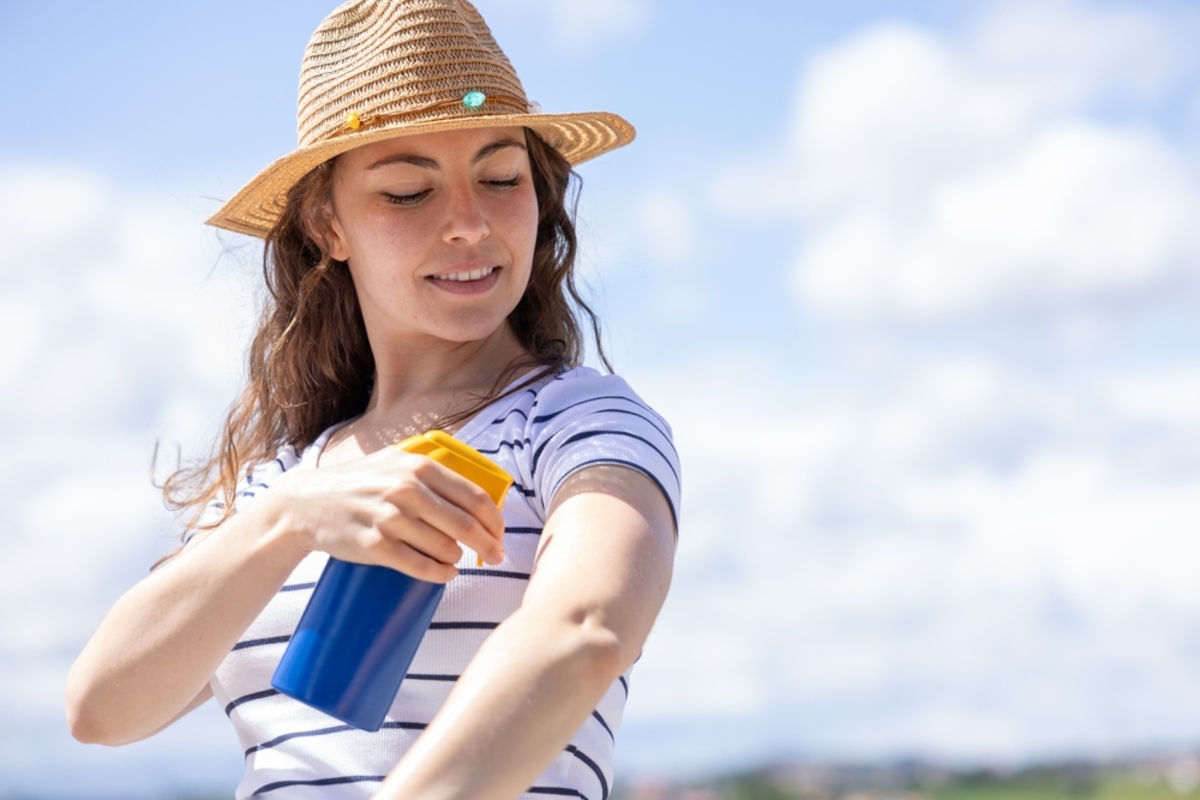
(419, 265)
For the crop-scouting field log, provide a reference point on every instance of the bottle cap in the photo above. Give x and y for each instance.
(460, 457)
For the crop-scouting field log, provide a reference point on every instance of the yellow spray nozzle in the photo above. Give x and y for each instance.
(460, 457)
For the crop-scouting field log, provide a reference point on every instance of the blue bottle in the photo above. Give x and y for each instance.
(356, 640)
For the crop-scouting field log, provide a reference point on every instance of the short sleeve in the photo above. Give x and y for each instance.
(590, 420)
(256, 480)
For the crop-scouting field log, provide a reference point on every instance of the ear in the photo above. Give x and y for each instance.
(326, 230)
(336, 241)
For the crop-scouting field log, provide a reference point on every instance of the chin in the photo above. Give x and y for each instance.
(470, 330)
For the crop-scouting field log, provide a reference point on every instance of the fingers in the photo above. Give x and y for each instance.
(452, 507)
(403, 558)
(422, 537)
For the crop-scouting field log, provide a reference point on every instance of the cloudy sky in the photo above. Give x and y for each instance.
(916, 282)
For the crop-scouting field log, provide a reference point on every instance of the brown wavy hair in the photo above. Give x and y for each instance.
(310, 364)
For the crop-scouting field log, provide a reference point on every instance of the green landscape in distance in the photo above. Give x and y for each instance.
(1160, 778)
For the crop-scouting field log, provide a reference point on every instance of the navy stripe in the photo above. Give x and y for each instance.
(495, 573)
(623, 398)
(508, 414)
(624, 685)
(246, 698)
(463, 626)
(270, 787)
(534, 531)
(556, 790)
(604, 725)
(537, 454)
(589, 434)
(521, 443)
(639, 468)
(278, 740)
(666, 434)
(297, 587)
(403, 726)
(414, 676)
(260, 642)
(575, 751)
(523, 490)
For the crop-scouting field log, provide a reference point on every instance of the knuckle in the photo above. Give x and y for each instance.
(424, 469)
(404, 491)
(369, 539)
(465, 528)
(379, 550)
(429, 570)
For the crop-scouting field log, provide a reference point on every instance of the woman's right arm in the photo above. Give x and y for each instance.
(159, 645)
(152, 657)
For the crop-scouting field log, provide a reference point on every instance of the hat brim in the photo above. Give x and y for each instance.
(257, 207)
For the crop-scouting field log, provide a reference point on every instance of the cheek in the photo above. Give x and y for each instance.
(376, 237)
(525, 223)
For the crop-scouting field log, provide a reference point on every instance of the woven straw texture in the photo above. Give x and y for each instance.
(403, 67)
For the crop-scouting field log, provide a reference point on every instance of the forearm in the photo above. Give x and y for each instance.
(159, 645)
(527, 691)
(156, 649)
(602, 574)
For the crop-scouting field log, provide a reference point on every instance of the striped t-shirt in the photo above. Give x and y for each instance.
(540, 436)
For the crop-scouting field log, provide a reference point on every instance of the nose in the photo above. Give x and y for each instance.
(465, 222)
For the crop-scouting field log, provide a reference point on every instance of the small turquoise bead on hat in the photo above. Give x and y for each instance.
(474, 99)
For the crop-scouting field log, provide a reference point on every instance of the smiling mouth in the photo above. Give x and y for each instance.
(463, 277)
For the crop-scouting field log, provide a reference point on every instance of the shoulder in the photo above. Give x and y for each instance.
(583, 418)
(583, 392)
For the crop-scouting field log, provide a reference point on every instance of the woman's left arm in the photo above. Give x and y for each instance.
(601, 575)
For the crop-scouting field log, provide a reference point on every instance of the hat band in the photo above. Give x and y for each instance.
(472, 102)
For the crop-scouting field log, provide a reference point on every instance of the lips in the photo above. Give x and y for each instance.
(471, 281)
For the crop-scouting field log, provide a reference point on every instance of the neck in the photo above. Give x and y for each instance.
(438, 377)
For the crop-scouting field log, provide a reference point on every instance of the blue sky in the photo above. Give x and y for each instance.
(916, 283)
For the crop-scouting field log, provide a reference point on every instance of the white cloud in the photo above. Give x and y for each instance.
(1080, 210)
(667, 227)
(588, 23)
(121, 324)
(971, 538)
(935, 178)
(965, 559)
(582, 25)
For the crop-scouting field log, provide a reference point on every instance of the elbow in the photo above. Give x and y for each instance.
(599, 655)
(80, 722)
(85, 720)
(88, 728)
(82, 731)
(84, 727)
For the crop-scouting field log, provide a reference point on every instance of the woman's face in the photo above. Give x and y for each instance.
(438, 230)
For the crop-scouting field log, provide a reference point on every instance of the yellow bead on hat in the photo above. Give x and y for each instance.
(378, 69)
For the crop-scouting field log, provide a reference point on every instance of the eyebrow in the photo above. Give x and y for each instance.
(429, 163)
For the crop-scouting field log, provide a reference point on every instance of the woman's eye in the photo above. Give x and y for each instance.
(505, 184)
(406, 199)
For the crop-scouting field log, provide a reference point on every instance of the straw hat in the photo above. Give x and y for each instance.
(378, 69)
